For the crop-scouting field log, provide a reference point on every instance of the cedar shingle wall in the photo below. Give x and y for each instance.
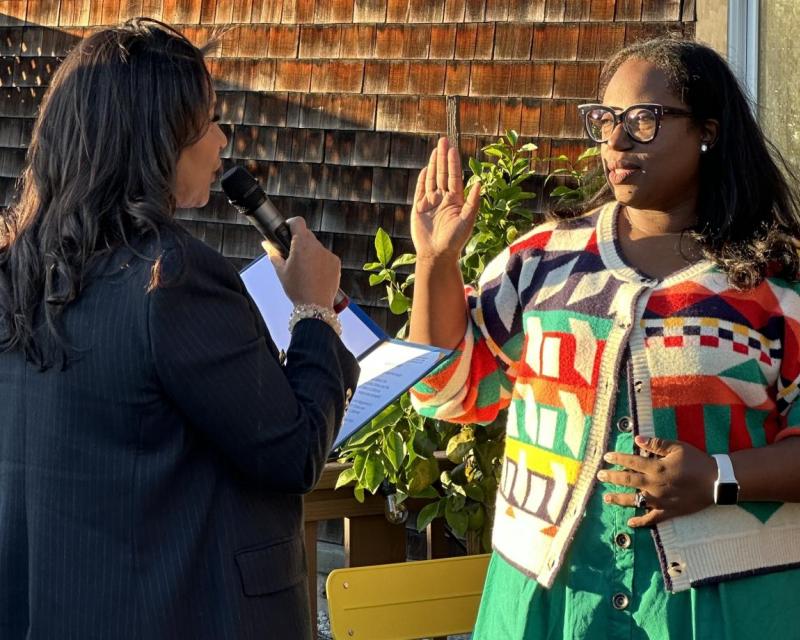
(335, 104)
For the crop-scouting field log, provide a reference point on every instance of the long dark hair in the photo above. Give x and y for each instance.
(748, 208)
(100, 171)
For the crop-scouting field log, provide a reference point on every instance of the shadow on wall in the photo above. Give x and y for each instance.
(339, 174)
(337, 159)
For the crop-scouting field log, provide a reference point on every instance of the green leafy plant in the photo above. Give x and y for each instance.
(583, 180)
(400, 446)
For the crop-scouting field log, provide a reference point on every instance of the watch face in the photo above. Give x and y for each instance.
(726, 493)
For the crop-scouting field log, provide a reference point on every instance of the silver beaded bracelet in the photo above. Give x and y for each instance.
(327, 315)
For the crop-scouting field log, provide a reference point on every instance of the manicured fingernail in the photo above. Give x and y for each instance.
(641, 440)
(607, 498)
(602, 475)
(609, 457)
(632, 523)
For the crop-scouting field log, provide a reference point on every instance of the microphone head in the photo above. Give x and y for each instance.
(242, 189)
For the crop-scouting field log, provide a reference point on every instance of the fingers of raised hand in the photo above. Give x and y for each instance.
(442, 174)
(430, 172)
(454, 182)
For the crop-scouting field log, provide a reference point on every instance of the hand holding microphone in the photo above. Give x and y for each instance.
(308, 272)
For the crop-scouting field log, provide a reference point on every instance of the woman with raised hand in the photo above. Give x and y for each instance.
(648, 354)
(152, 445)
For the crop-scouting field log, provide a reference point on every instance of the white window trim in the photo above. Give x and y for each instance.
(743, 44)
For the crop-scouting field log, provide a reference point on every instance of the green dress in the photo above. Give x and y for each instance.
(610, 588)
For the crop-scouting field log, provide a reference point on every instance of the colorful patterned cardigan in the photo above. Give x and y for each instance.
(711, 366)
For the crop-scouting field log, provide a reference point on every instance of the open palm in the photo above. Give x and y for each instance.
(441, 220)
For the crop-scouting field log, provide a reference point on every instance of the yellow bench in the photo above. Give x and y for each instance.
(406, 600)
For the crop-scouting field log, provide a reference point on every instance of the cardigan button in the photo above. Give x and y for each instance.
(625, 425)
(620, 601)
(622, 540)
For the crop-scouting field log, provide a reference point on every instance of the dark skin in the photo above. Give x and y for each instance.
(659, 203)
(658, 185)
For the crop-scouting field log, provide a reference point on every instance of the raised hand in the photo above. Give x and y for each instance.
(441, 220)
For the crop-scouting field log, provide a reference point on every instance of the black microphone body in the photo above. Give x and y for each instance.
(248, 197)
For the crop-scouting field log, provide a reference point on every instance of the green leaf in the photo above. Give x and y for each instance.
(457, 500)
(513, 136)
(427, 514)
(423, 445)
(374, 473)
(492, 151)
(457, 519)
(389, 417)
(475, 166)
(591, 152)
(423, 473)
(561, 190)
(474, 492)
(406, 258)
(345, 477)
(427, 492)
(359, 463)
(358, 492)
(377, 278)
(399, 303)
(372, 266)
(394, 449)
(383, 247)
(528, 147)
(460, 445)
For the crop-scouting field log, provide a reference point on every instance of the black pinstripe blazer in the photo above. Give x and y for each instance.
(152, 489)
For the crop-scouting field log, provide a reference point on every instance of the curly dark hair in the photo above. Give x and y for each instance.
(748, 209)
(100, 172)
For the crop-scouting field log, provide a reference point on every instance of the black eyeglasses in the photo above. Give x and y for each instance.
(640, 121)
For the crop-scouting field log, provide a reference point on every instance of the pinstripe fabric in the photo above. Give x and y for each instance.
(151, 490)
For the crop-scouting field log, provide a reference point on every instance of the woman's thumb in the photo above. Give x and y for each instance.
(274, 255)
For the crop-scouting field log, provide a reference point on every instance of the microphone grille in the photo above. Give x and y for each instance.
(242, 188)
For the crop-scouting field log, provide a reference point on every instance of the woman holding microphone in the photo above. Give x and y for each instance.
(153, 448)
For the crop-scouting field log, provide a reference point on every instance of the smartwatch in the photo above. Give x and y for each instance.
(726, 488)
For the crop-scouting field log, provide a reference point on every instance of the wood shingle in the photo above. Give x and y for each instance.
(334, 105)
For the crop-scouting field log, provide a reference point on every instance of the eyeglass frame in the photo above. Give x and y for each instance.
(658, 110)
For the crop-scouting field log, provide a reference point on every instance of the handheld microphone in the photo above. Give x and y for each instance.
(248, 197)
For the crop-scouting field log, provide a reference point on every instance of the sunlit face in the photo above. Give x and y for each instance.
(663, 173)
(198, 166)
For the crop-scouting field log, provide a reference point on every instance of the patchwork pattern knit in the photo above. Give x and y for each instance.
(711, 366)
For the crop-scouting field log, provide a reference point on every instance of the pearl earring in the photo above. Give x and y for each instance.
(703, 148)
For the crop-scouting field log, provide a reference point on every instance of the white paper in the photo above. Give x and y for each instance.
(386, 372)
(388, 367)
(267, 292)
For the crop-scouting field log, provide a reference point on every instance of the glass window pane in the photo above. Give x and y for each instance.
(778, 62)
